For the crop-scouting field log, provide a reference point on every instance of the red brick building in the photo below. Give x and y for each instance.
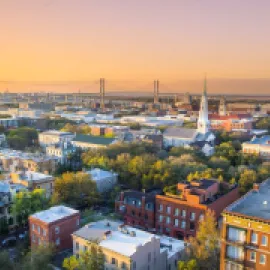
(137, 209)
(54, 227)
(178, 215)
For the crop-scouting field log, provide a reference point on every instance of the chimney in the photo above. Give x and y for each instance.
(256, 186)
(107, 234)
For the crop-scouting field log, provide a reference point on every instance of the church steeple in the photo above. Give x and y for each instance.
(203, 121)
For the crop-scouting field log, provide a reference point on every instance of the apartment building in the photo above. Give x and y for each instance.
(259, 146)
(125, 247)
(245, 237)
(52, 137)
(5, 204)
(54, 226)
(137, 208)
(12, 160)
(178, 213)
(34, 180)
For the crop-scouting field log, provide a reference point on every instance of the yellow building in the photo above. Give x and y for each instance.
(128, 248)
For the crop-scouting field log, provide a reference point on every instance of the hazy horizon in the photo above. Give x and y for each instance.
(66, 45)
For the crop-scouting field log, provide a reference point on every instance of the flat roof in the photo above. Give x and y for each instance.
(33, 176)
(255, 203)
(98, 174)
(54, 213)
(125, 243)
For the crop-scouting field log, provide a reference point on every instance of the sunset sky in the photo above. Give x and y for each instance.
(66, 45)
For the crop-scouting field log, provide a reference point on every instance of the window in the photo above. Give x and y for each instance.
(254, 238)
(168, 220)
(235, 234)
(160, 218)
(160, 207)
(44, 232)
(262, 259)
(176, 221)
(77, 246)
(253, 256)
(183, 225)
(184, 213)
(149, 257)
(192, 226)
(201, 216)
(33, 227)
(192, 216)
(78, 222)
(85, 248)
(264, 240)
(57, 230)
(38, 229)
(114, 261)
(176, 211)
(134, 265)
(168, 210)
(123, 265)
(57, 242)
(235, 252)
(33, 238)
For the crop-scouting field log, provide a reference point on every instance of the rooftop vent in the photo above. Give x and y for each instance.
(133, 233)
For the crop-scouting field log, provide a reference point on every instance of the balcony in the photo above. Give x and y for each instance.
(237, 242)
(238, 261)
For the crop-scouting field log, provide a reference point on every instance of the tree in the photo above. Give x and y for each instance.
(247, 179)
(204, 248)
(76, 189)
(188, 265)
(22, 138)
(27, 203)
(92, 259)
(39, 258)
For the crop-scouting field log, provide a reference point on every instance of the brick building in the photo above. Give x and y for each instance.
(54, 226)
(137, 208)
(245, 237)
(178, 214)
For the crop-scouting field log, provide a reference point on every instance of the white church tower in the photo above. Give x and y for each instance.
(203, 121)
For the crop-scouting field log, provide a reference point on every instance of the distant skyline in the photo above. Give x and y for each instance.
(66, 45)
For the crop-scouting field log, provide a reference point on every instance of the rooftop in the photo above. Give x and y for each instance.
(264, 140)
(255, 203)
(56, 132)
(54, 213)
(32, 176)
(124, 239)
(93, 139)
(180, 132)
(98, 174)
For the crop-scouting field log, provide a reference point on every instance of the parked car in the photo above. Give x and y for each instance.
(9, 242)
(22, 235)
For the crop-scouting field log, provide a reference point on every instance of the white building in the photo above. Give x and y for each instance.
(125, 247)
(61, 152)
(52, 137)
(105, 180)
(259, 146)
(202, 136)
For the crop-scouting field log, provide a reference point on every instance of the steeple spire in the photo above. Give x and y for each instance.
(203, 121)
(205, 85)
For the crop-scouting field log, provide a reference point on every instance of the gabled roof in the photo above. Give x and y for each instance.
(179, 132)
(93, 139)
